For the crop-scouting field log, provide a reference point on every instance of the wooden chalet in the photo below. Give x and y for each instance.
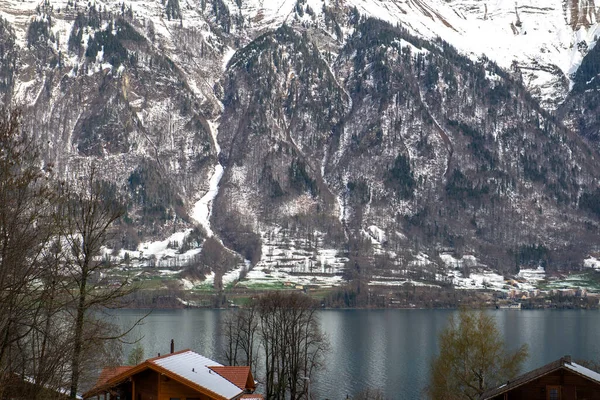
(183, 375)
(558, 380)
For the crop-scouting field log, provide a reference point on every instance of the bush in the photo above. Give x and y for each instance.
(472, 358)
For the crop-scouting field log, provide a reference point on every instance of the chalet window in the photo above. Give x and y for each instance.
(553, 393)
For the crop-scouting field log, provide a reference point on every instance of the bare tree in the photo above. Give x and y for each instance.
(46, 357)
(240, 330)
(25, 230)
(51, 270)
(86, 220)
(284, 329)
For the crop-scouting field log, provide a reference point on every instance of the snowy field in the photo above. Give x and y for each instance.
(296, 262)
(288, 263)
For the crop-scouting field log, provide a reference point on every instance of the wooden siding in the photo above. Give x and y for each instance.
(146, 385)
(170, 388)
(573, 387)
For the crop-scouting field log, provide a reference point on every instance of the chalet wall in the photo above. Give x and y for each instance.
(146, 385)
(173, 389)
(573, 387)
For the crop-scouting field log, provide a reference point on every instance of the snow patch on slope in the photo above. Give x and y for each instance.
(203, 208)
(296, 262)
(591, 262)
(468, 273)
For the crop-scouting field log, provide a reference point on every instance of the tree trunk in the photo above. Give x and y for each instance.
(78, 339)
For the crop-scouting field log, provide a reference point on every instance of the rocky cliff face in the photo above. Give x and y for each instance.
(348, 131)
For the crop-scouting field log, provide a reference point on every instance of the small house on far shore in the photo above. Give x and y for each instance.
(559, 380)
(178, 375)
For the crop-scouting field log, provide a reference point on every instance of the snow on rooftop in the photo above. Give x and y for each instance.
(583, 371)
(195, 368)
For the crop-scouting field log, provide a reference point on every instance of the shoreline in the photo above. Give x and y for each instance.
(373, 298)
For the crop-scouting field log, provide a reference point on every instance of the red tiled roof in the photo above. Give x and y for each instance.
(109, 373)
(236, 375)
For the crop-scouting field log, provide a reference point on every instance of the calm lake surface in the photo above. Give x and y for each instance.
(385, 349)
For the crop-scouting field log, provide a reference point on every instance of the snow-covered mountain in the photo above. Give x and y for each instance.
(545, 40)
(318, 138)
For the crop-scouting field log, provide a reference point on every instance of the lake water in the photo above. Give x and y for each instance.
(382, 349)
